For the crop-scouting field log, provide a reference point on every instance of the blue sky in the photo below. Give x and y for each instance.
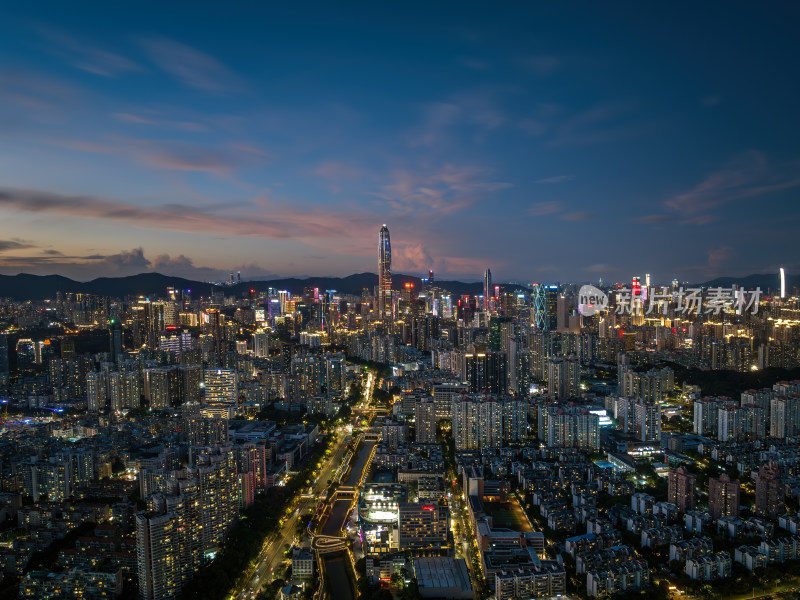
(551, 141)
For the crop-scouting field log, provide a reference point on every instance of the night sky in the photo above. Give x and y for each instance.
(549, 141)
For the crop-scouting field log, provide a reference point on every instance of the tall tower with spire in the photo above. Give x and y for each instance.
(487, 289)
(384, 275)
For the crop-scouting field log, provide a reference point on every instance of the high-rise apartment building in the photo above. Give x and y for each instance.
(706, 416)
(647, 421)
(261, 344)
(563, 377)
(95, 391)
(488, 421)
(568, 427)
(723, 497)
(681, 488)
(221, 385)
(158, 555)
(126, 390)
(385, 304)
(425, 420)
(785, 416)
(443, 394)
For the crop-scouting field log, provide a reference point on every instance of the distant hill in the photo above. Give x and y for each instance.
(39, 287)
(765, 281)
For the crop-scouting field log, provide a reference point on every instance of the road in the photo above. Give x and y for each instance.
(272, 553)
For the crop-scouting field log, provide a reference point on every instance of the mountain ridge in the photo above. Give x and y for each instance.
(25, 286)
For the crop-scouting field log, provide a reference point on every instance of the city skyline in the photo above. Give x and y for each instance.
(599, 142)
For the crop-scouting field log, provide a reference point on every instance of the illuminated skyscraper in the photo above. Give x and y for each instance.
(487, 289)
(384, 275)
(115, 340)
(782, 274)
(545, 307)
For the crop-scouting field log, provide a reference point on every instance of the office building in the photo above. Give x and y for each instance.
(423, 525)
(384, 300)
(487, 290)
(487, 372)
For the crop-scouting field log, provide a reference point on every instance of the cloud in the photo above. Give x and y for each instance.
(749, 175)
(87, 57)
(656, 218)
(556, 179)
(6, 245)
(710, 101)
(191, 67)
(541, 65)
(411, 257)
(600, 124)
(125, 262)
(532, 127)
(276, 221)
(336, 172)
(600, 268)
(138, 119)
(476, 64)
(576, 216)
(474, 111)
(717, 257)
(175, 156)
(540, 209)
(440, 192)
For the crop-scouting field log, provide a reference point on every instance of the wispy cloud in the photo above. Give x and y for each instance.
(718, 257)
(601, 124)
(556, 208)
(476, 64)
(541, 64)
(655, 218)
(172, 155)
(336, 172)
(85, 56)
(191, 67)
(555, 179)
(275, 221)
(541, 209)
(440, 192)
(577, 216)
(159, 123)
(749, 175)
(6, 245)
